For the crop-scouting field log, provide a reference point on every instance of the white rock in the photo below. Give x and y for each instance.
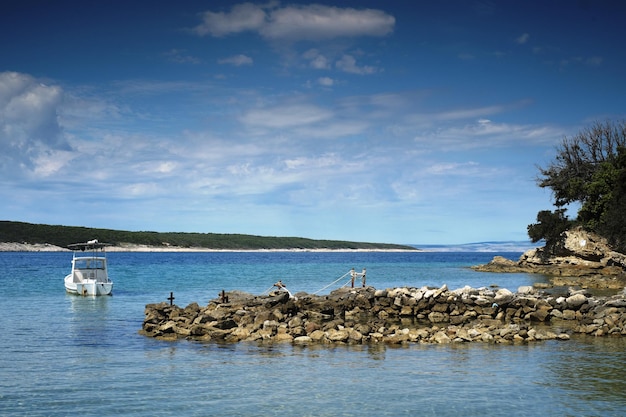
(525, 289)
(503, 296)
(576, 300)
(302, 339)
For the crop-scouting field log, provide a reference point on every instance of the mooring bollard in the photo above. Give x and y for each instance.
(354, 275)
(171, 298)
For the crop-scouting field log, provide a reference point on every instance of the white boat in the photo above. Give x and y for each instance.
(89, 270)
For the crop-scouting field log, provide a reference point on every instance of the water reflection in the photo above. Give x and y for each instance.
(89, 320)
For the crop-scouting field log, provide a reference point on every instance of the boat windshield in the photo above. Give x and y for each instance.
(90, 263)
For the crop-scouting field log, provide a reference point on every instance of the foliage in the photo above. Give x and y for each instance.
(613, 220)
(589, 169)
(549, 226)
(65, 235)
(578, 160)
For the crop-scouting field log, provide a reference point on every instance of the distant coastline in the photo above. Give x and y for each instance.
(44, 247)
(19, 235)
(28, 237)
(473, 247)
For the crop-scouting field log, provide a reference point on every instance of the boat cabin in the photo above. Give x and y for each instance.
(92, 267)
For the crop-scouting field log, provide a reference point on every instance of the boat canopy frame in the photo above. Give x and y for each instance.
(91, 245)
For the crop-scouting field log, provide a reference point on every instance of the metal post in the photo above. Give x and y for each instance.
(171, 298)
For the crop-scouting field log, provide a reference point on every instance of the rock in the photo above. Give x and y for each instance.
(540, 314)
(569, 315)
(355, 336)
(579, 258)
(503, 296)
(576, 300)
(239, 333)
(498, 264)
(441, 337)
(302, 340)
(338, 335)
(406, 311)
(317, 336)
(226, 324)
(526, 289)
(437, 317)
(283, 337)
(483, 301)
(168, 327)
(357, 316)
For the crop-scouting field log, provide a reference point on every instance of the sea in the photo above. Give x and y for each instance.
(66, 355)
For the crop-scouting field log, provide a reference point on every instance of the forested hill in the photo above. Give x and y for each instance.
(62, 236)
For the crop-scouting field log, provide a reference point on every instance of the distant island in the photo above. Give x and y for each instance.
(43, 236)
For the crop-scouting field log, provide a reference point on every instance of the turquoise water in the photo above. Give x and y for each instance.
(67, 355)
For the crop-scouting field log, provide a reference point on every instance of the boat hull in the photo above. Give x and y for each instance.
(88, 287)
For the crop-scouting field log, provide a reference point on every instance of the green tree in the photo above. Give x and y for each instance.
(549, 226)
(613, 220)
(589, 169)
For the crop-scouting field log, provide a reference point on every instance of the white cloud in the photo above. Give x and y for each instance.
(452, 168)
(347, 63)
(278, 159)
(486, 134)
(316, 59)
(242, 17)
(465, 56)
(458, 114)
(326, 81)
(296, 22)
(522, 39)
(316, 22)
(236, 60)
(181, 57)
(594, 61)
(310, 163)
(48, 162)
(29, 125)
(286, 116)
(140, 189)
(332, 130)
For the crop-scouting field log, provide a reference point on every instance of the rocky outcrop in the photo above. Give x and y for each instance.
(394, 316)
(580, 258)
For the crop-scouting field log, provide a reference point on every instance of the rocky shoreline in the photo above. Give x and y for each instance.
(392, 316)
(580, 258)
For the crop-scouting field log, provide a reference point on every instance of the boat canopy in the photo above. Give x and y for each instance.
(90, 245)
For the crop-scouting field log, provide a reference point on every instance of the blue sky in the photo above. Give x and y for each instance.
(402, 122)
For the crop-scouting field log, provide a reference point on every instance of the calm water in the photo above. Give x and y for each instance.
(63, 355)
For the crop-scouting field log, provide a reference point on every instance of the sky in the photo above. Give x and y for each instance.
(396, 122)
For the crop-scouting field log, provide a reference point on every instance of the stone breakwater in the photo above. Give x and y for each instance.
(393, 316)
